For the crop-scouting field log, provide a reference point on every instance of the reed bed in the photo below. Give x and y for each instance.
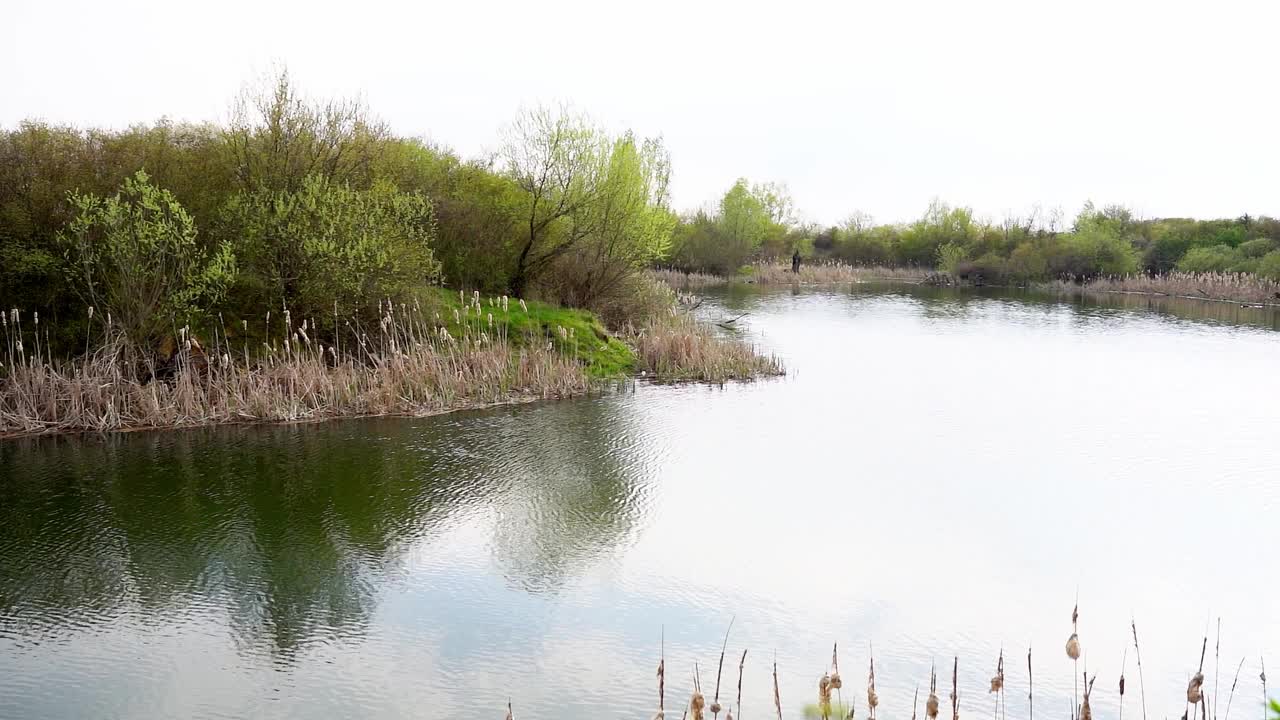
(411, 363)
(1225, 287)
(830, 706)
(679, 347)
(777, 273)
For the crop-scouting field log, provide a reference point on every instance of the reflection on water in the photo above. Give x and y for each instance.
(941, 472)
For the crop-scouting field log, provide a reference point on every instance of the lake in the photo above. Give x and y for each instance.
(941, 473)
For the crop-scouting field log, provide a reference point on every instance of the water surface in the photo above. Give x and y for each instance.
(942, 472)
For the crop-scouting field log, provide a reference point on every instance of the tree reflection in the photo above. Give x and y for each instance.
(293, 530)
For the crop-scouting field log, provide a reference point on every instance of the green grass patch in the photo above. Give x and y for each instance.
(584, 336)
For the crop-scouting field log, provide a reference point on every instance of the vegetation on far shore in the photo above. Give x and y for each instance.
(302, 261)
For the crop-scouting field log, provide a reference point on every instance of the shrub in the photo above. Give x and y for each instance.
(1269, 266)
(1218, 258)
(135, 255)
(950, 256)
(328, 243)
(1258, 247)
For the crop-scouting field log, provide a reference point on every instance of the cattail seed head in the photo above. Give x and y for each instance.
(90, 312)
(1073, 647)
(931, 706)
(696, 705)
(1193, 688)
(1121, 686)
(715, 708)
(836, 682)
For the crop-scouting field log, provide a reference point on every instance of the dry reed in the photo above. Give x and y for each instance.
(679, 347)
(410, 364)
(1223, 287)
(774, 273)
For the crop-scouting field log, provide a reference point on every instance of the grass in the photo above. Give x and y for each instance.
(576, 332)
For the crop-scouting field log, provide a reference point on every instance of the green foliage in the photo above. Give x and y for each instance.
(328, 244)
(135, 255)
(1269, 266)
(950, 256)
(1257, 247)
(278, 138)
(940, 225)
(1218, 258)
(602, 354)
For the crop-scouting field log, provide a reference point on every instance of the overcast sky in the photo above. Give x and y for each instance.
(1171, 108)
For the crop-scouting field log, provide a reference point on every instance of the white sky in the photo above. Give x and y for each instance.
(1171, 108)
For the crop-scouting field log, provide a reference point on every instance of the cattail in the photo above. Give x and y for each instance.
(90, 312)
(1073, 647)
(824, 696)
(1193, 688)
(36, 317)
(931, 706)
(696, 705)
(836, 682)
(490, 319)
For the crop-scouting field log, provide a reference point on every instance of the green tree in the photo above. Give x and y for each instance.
(630, 227)
(136, 256)
(558, 161)
(330, 247)
(278, 138)
(744, 223)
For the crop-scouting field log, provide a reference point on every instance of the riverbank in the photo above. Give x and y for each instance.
(780, 274)
(446, 351)
(1241, 288)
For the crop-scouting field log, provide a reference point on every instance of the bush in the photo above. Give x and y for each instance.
(135, 255)
(990, 269)
(1027, 263)
(950, 256)
(328, 243)
(1269, 266)
(1258, 247)
(1218, 258)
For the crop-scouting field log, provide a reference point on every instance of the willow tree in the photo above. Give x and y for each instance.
(629, 223)
(278, 137)
(559, 162)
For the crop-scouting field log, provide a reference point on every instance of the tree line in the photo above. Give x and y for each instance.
(755, 222)
(316, 208)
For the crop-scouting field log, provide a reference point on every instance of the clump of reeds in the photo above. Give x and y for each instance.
(1225, 287)
(679, 347)
(409, 363)
(831, 272)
